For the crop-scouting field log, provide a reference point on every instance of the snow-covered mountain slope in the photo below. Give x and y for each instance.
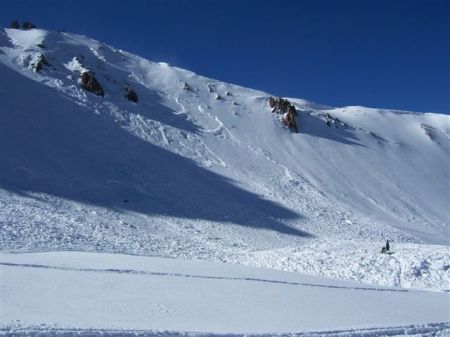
(96, 294)
(199, 168)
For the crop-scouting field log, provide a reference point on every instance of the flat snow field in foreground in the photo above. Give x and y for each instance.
(79, 292)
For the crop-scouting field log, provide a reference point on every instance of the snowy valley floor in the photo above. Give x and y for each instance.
(73, 293)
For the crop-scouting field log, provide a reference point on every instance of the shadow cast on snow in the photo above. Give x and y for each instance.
(65, 150)
(316, 127)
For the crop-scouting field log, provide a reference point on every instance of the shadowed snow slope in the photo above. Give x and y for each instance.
(202, 169)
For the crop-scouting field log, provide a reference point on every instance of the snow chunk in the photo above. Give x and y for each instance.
(76, 65)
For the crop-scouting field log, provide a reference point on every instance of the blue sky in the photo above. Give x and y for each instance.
(383, 53)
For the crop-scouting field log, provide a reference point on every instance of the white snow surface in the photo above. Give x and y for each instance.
(50, 292)
(202, 169)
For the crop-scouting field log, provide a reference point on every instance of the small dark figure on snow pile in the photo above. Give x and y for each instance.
(385, 249)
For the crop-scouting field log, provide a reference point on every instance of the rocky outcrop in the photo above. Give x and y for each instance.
(90, 83)
(131, 95)
(26, 25)
(185, 86)
(289, 119)
(283, 106)
(330, 120)
(428, 130)
(211, 87)
(40, 63)
(14, 24)
(279, 104)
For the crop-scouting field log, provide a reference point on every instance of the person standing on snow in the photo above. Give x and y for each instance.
(385, 249)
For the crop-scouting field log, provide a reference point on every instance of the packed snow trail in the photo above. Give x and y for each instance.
(68, 291)
(421, 330)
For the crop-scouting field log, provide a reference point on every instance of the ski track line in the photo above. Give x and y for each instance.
(422, 330)
(183, 109)
(219, 160)
(250, 279)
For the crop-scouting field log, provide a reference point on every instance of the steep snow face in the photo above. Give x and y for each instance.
(391, 166)
(203, 169)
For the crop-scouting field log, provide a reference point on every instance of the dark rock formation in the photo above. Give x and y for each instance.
(289, 119)
(186, 87)
(279, 105)
(283, 106)
(131, 95)
(211, 87)
(90, 83)
(40, 63)
(28, 25)
(428, 130)
(15, 24)
(330, 120)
